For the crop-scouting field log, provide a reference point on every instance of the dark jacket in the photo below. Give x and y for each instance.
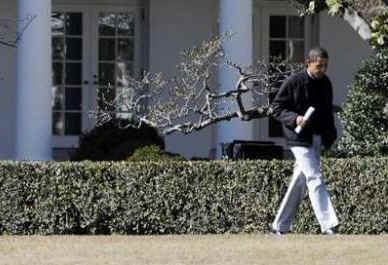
(294, 97)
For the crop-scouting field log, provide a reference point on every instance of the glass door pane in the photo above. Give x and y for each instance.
(92, 47)
(67, 66)
(286, 38)
(116, 50)
(287, 42)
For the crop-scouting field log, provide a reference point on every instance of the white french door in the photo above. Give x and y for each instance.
(285, 35)
(93, 48)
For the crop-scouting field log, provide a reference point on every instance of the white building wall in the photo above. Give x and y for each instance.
(346, 51)
(174, 26)
(8, 10)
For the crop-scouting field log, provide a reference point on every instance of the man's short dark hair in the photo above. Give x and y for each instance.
(318, 52)
(315, 53)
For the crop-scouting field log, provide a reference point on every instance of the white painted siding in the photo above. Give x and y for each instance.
(346, 51)
(174, 26)
(8, 10)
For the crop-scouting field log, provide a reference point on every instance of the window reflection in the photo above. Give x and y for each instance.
(123, 70)
(125, 24)
(295, 27)
(58, 48)
(107, 49)
(57, 73)
(107, 24)
(67, 58)
(57, 24)
(278, 49)
(295, 51)
(286, 38)
(74, 24)
(116, 51)
(125, 49)
(58, 125)
(57, 102)
(116, 55)
(286, 42)
(106, 73)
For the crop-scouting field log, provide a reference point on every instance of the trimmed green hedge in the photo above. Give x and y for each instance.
(181, 197)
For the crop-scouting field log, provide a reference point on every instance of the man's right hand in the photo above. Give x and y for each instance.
(300, 121)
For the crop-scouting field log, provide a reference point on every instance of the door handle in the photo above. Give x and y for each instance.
(96, 79)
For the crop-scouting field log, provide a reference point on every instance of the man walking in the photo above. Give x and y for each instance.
(310, 88)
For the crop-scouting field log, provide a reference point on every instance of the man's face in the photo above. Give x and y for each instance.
(318, 67)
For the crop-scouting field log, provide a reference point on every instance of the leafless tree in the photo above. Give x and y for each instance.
(190, 101)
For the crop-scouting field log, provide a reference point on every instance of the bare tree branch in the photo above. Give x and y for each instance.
(190, 101)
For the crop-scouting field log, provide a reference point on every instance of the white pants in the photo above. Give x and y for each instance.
(307, 172)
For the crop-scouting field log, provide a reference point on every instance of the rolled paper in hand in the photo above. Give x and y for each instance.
(306, 117)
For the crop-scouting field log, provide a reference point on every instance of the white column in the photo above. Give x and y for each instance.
(235, 17)
(33, 94)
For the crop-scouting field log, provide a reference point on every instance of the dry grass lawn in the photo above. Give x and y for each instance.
(207, 249)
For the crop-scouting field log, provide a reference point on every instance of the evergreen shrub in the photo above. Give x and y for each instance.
(153, 153)
(113, 141)
(173, 197)
(365, 126)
